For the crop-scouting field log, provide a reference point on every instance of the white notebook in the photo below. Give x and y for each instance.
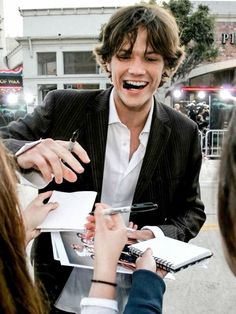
(71, 213)
(171, 254)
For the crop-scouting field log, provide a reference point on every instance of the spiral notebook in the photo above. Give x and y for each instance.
(171, 254)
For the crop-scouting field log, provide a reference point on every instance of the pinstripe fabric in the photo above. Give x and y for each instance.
(169, 174)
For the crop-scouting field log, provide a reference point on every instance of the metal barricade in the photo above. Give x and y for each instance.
(201, 135)
(212, 143)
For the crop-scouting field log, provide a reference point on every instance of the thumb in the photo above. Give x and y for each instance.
(99, 218)
(50, 206)
(148, 252)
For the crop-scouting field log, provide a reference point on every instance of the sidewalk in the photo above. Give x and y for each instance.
(199, 290)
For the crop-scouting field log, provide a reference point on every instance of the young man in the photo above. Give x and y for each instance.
(131, 148)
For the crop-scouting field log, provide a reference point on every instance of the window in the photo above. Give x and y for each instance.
(47, 63)
(81, 86)
(44, 89)
(80, 62)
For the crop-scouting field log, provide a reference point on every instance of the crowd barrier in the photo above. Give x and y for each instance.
(212, 142)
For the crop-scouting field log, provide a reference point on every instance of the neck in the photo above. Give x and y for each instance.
(133, 119)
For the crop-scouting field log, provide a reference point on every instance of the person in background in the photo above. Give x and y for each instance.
(177, 107)
(227, 195)
(147, 288)
(18, 292)
(130, 149)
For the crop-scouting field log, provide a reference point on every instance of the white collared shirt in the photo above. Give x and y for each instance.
(120, 174)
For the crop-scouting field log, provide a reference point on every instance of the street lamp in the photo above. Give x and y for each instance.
(12, 99)
(177, 93)
(225, 94)
(201, 94)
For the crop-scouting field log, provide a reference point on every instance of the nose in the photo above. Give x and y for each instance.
(136, 67)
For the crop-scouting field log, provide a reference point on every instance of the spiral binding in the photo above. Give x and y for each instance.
(161, 263)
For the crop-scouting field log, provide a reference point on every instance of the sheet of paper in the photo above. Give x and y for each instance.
(71, 213)
(54, 237)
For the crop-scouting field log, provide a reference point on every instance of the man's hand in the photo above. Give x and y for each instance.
(140, 235)
(50, 158)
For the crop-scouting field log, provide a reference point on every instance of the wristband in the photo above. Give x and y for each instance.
(105, 282)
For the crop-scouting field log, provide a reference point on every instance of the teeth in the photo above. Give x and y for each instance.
(136, 83)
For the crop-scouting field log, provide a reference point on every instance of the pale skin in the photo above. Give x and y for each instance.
(143, 67)
(35, 213)
(110, 238)
(48, 156)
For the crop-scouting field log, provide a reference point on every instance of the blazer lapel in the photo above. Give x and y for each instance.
(158, 139)
(96, 135)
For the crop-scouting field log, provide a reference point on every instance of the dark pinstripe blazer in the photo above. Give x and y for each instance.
(170, 171)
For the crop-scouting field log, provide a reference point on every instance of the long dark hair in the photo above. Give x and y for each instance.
(18, 294)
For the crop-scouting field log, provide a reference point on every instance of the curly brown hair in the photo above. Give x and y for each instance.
(162, 35)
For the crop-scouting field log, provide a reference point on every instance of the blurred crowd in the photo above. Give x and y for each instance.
(198, 112)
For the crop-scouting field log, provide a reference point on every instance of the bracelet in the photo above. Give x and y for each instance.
(105, 282)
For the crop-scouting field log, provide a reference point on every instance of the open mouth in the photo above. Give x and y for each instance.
(134, 85)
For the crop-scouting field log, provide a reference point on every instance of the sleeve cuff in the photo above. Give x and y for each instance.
(155, 230)
(100, 302)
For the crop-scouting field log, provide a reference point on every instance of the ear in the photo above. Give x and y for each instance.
(108, 64)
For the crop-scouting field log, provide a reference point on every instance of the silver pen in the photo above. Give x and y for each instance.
(73, 140)
(117, 210)
(133, 209)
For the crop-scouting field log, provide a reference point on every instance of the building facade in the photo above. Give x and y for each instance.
(56, 49)
(56, 52)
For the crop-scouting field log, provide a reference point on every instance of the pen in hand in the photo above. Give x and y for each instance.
(73, 140)
(133, 209)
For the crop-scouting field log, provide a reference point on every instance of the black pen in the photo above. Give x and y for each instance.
(135, 208)
(73, 140)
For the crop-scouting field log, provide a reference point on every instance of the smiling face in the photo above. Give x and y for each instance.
(135, 74)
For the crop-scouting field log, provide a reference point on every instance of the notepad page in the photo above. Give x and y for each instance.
(72, 210)
(173, 251)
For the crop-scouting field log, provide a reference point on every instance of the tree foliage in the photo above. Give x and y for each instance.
(196, 34)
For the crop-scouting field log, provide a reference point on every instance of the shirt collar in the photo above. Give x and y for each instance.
(113, 115)
(114, 118)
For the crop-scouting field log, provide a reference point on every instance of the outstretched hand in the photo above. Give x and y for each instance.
(51, 158)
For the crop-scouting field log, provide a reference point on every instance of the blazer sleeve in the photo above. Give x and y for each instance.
(187, 207)
(146, 294)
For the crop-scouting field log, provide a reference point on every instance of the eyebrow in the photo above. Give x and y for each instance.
(149, 52)
(123, 50)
